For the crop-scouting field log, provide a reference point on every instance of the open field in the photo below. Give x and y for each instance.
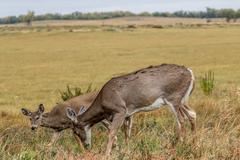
(35, 65)
(138, 21)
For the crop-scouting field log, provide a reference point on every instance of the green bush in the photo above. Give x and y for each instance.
(74, 91)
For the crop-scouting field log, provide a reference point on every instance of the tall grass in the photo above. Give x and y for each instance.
(207, 83)
(34, 64)
(153, 135)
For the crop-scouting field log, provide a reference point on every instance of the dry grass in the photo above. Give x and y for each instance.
(34, 65)
(217, 137)
(139, 21)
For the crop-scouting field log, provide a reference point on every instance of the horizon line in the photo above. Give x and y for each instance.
(134, 12)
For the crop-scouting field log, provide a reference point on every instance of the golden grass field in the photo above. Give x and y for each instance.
(140, 21)
(35, 63)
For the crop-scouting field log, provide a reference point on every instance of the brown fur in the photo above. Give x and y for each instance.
(57, 118)
(124, 94)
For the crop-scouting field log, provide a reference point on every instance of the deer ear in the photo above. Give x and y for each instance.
(40, 108)
(71, 114)
(82, 110)
(26, 112)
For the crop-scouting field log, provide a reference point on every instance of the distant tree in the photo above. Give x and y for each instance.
(156, 14)
(229, 14)
(28, 18)
(166, 14)
(211, 13)
(193, 15)
(10, 19)
(145, 14)
(237, 15)
(179, 14)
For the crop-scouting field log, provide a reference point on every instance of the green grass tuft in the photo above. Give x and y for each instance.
(207, 83)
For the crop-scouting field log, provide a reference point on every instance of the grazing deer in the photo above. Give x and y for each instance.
(57, 119)
(144, 90)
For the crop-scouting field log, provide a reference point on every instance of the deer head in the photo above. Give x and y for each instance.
(83, 132)
(35, 117)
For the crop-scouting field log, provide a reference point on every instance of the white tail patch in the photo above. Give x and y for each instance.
(186, 96)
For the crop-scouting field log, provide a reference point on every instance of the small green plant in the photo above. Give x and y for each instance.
(207, 83)
(28, 155)
(74, 91)
(144, 148)
(70, 93)
(90, 89)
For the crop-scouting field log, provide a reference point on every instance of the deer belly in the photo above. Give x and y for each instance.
(158, 103)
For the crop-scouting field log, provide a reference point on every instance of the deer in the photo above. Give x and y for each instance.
(144, 90)
(57, 119)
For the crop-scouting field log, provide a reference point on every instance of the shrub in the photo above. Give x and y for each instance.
(74, 91)
(131, 26)
(207, 83)
(157, 26)
(209, 20)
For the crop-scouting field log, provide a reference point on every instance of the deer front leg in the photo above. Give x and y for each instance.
(54, 138)
(107, 124)
(116, 123)
(78, 141)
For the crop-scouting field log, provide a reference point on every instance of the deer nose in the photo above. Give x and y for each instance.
(33, 128)
(87, 146)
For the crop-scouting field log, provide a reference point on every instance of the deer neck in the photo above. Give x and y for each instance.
(46, 120)
(54, 122)
(92, 116)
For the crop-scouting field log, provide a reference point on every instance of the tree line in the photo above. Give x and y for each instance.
(228, 14)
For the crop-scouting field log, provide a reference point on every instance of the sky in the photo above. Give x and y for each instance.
(17, 7)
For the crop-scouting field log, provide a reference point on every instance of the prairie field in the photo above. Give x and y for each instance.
(140, 21)
(37, 62)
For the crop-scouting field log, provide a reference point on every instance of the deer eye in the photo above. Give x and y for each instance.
(37, 117)
(30, 119)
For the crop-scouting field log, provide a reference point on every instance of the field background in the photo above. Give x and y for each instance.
(140, 21)
(36, 62)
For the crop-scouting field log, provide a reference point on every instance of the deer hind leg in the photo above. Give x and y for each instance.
(176, 109)
(118, 120)
(106, 124)
(191, 115)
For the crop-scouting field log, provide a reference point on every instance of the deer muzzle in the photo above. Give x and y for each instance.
(33, 127)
